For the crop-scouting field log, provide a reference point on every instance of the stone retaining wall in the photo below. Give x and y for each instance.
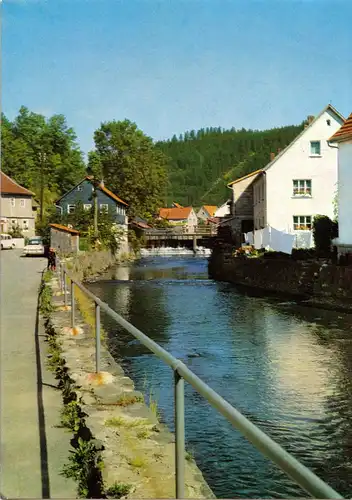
(137, 449)
(306, 279)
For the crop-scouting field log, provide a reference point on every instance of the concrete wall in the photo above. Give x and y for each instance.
(298, 163)
(344, 193)
(63, 241)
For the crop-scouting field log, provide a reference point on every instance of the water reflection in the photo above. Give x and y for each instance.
(286, 367)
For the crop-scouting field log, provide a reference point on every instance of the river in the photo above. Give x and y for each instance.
(286, 367)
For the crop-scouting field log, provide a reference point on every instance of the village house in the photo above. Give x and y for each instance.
(17, 208)
(106, 200)
(184, 216)
(206, 211)
(343, 138)
(223, 210)
(297, 184)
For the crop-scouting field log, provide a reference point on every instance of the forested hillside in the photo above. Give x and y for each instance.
(203, 162)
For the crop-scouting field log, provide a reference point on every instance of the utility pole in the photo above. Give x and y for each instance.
(42, 157)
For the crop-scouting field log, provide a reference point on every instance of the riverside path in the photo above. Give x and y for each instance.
(33, 446)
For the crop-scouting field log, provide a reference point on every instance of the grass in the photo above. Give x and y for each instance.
(137, 462)
(124, 422)
(87, 309)
(118, 490)
(128, 399)
(143, 434)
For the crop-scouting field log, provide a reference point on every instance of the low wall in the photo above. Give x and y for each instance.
(137, 451)
(310, 280)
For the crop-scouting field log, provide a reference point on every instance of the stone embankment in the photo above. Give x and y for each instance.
(317, 283)
(119, 448)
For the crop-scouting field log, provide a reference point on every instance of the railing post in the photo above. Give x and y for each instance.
(97, 338)
(61, 277)
(65, 289)
(72, 304)
(180, 435)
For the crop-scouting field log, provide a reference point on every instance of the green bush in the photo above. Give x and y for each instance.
(324, 231)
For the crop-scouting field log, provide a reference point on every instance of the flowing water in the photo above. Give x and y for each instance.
(286, 367)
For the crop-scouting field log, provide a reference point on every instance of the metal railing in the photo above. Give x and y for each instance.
(299, 473)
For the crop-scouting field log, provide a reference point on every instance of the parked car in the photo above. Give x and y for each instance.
(35, 246)
(7, 242)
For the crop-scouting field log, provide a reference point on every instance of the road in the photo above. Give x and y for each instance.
(33, 447)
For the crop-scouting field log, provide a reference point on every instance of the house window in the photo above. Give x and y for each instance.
(79, 188)
(14, 222)
(87, 206)
(118, 209)
(22, 203)
(302, 187)
(70, 209)
(13, 202)
(104, 207)
(25, 225)
(315, 148)
(302, 222)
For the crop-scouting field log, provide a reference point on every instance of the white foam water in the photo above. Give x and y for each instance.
(169, 251)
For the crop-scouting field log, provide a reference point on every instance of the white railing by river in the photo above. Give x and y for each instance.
(299, 473)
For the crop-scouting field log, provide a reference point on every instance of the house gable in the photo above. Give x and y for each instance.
(308, 161)
(83, 192)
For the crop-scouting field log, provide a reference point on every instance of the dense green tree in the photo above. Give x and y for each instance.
(203, 162)
(41, 154)
(131, 166)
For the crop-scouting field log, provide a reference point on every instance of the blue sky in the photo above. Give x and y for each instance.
(176, 65)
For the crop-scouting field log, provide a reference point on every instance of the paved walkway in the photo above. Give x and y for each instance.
(33, 449)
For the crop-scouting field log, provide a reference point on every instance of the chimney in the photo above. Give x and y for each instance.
(272, 156)
(310, 118)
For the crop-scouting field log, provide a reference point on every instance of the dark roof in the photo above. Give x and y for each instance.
(101, 187)
(9, 186)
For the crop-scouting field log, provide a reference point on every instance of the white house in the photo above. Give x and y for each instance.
(184, 216)
(223, 210)
(343, 137)
(206, 211)
(297, 184)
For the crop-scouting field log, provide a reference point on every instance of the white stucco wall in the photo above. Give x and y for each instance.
(297, 163)
(223, 210)
(345, 193)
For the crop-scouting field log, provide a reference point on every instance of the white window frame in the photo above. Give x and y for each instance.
(25, 225)
(79, 188)
(302, 187)
(104, 207)
(87, 206)
(23, 203)
(71, 207)
(315, 142)
(13, 202)
(302, 222)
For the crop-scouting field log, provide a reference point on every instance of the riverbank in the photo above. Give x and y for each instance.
(136, 450)
(313, 283)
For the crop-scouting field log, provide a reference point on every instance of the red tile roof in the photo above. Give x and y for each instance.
(175, 213)
(9, 186)
(64, 228)
(211, 209)
(111, 194)
(344, 133)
